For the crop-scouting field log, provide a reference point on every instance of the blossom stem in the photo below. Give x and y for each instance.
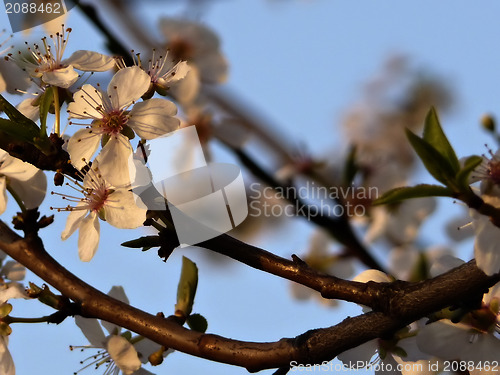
(12, 319)
(57, 110)
(17, 198)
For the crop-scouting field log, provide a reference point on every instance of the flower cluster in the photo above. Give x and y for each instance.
(102, 200)
(48, 65)
(27, 183)
(117, 351)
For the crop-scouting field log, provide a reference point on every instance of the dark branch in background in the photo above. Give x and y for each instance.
(369, 294)
(416, 300)
(339, 228)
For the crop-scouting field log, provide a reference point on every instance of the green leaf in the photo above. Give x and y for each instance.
(197, 323)
(17, 131)
(470, 164)
(350, 167)
(434, 135)
(45, 103)
(409, 192)
(22, 128)
(143, 242)
(186, 290)
(434, 162)
(13, 113)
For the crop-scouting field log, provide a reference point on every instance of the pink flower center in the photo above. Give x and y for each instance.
(494, 170)
(112, 123)
(97, 198)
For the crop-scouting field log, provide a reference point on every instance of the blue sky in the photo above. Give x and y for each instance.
(302, 64)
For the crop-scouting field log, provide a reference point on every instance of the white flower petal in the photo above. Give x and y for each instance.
(116, 292)
(92, 330)
(186, 90)
(487, 244)
(378, 225)
(410, 346)
(14, 290)
(85, 102)
(372, 275)
(153, 118)
(32, 191)
(213, 67)
(403, 260)
(127, 86)
(122, 211)
(14, 271)
(113, 160)
(88, 238)
(29, 110)
(446, 341)
(74, 220)
(83, 145)
(16, 168)
(123, 354)
(362, 353)
(90, 61)
(3, 194)
(13, 77)
(6, 361)
(444, 264)
(482, 348)
(62, 77)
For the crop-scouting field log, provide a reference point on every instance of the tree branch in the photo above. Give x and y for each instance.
(414, 301)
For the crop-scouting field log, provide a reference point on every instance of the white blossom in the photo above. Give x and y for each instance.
(11, 77)
(162, 71)
(110, 118)
(119, 353)
(102, 200)
(473, 339)
(385, 354)
(487, 239)
(52, 69)
(25, 180)
(401, 223)
(198, 45)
